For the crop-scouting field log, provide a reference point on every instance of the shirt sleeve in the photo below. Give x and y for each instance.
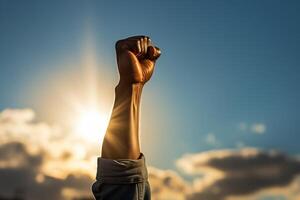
(125, 179)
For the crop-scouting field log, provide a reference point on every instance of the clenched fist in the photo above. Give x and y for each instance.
(136, 59)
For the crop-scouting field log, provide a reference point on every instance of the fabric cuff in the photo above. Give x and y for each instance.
(122, 171)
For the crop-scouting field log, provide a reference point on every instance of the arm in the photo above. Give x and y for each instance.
(122, 138)
(136, 59)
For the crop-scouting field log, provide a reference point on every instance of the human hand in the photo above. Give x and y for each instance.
(136, 59)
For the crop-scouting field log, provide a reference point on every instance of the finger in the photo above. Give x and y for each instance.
(143, 42)
(134, 46)
(149, 42)
(131, 45)
(153, 53)
(143, 45)
(121, 45)
(139, 48)
(137, 44)
(146, 41)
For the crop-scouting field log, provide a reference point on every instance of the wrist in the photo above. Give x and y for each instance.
(124, 87)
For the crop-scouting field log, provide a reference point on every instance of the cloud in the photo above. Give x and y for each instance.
(289, 192)
(21, 172)
(17, 115)
(258, 128)
(211, 139)
(37, 159)
(14, 155)
(226, 173)
(167, 184)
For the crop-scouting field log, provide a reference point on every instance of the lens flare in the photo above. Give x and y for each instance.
(91, 125)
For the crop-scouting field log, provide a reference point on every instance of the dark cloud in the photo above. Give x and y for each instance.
(166, 184)
(14, 154)
(20, 173)
(243, 172)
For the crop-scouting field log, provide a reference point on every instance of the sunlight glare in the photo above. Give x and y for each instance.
(91, 125)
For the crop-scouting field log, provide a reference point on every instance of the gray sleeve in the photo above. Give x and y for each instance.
(124, 179)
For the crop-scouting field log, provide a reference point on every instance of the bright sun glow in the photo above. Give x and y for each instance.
(91, 125)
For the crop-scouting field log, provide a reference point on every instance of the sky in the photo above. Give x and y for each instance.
(225, 87)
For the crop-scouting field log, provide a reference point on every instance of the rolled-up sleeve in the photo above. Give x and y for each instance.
(125, 179)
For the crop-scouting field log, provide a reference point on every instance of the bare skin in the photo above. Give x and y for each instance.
(136, 60)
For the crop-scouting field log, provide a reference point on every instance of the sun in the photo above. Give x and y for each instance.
(91, 125)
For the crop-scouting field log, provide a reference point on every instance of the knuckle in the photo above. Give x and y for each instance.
(118, 44)
(138, 44)
(147, 38)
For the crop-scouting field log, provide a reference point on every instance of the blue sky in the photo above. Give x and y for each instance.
(226, 66)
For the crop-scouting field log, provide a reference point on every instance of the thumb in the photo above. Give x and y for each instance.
(153, 53)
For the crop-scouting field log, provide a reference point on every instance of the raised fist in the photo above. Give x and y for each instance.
(136, 59)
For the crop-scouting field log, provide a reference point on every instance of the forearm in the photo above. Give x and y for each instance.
(122, 136)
